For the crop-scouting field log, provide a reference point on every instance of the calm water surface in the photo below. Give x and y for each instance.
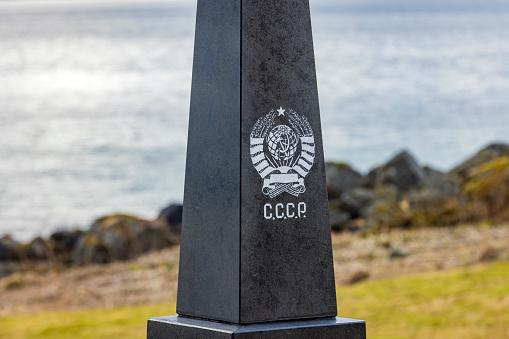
(94, 98)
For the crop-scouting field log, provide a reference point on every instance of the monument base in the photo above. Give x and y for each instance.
(183, 327)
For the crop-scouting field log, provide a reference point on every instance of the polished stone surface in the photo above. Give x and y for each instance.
(209, 271)
(256, 241)
(286, 266)
(182, 327)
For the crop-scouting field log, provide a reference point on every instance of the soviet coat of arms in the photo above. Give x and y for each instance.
(282, 151)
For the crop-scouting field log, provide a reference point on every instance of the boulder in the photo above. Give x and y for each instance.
(432, 203)
(430, 207)
(90, 249)
(438, 213)
(486, 189)
(388, 192)
(356, 200)
(384, 215)
(446, 184)
(401, 171)
(10, 250)
(121, 237)
(119, 234)
(340, 178)
(109, 238)
(63, 243)
(172, 217)
(372, 179)
(485, 155)
(172, 214)
(397, 254)
(38, 249)
(339, 220)
(440, 188)
(157, 236)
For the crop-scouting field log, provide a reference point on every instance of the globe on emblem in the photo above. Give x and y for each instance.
(282, 143)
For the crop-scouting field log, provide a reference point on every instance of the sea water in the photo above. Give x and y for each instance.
(94, 97)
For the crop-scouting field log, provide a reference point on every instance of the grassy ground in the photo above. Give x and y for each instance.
(119, 322)
(461, 303)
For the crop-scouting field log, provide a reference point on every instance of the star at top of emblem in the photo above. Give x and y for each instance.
(281, 111)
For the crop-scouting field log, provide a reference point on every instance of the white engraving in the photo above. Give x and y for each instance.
(282, 154)
(281, 111)
(280, 211)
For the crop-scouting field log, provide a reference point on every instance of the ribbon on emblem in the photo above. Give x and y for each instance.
(276, 184)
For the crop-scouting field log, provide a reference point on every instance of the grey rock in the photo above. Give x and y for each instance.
(397, 254)
(486, 154)
(39, 249)
(121, 237)
(340, 178)
(388, 192)
(428, 204)
(448, 184)
(10, 250)
(155, 237)
(339, 220)
(90, 249)
(425, 198)
(63, 243)
(172, 214)
(372, 179)
(385, 214)
(356, 199)
(401, 171)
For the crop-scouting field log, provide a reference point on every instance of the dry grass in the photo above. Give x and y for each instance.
(151, 278)
(403, 252)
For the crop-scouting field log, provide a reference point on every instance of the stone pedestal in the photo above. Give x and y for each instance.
(182, 327)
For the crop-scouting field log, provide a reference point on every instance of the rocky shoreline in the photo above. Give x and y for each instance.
(402, 194)
(397, 195)
(116, 237)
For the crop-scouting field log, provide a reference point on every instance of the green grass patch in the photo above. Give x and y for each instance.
(119, 322)
(464, 303)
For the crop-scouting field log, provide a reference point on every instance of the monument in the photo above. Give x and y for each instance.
(256, 256)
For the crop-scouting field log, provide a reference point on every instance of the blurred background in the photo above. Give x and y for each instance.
(94, 97)
(94, 102)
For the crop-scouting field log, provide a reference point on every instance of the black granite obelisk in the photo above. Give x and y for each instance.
(256, 247)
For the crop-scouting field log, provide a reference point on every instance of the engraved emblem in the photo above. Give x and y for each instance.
(282, 151)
